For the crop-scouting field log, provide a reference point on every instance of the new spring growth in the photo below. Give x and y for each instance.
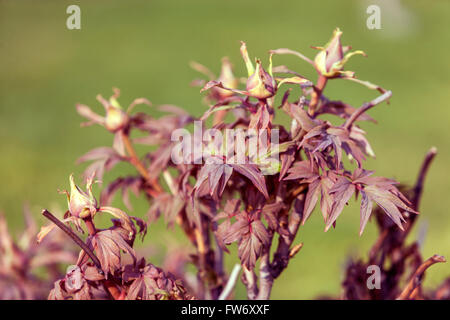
(81, 204)
(227, 78)
(115, 118)
(260, 83)
(331, 59)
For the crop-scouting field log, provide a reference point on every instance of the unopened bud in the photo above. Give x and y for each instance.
(116, 119)
(81, 204)
(331, 59)
(227, 78)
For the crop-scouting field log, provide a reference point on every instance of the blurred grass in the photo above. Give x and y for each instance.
(144, 48)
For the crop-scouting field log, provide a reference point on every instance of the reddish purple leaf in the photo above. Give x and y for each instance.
(252, 172)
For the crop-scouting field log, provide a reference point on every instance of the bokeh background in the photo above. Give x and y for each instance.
(144, 48)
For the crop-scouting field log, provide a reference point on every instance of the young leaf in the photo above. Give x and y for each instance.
(108, 245)
(342, 191)
(252, 172)
(251, 243)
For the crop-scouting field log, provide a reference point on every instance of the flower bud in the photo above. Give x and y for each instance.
(81, 204)
(260, 83)
(228, 79)
(116, 119)
(331, 59)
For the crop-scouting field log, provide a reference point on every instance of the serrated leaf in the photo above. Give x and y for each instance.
(252, 172)
(342, 191)
(366, 211)
(107, 245)
(251, 244)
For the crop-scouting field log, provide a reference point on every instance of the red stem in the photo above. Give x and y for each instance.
(317, 93)
(418, 188)
(134, 160)
(414, 282)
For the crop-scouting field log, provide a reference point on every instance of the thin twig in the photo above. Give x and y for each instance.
(418, 188)
(416, 277)
(231, 282)
(366, 106)
(134, 160)
(73, 236)
(317, 94)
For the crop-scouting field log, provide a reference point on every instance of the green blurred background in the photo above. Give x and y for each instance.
(144, 47)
